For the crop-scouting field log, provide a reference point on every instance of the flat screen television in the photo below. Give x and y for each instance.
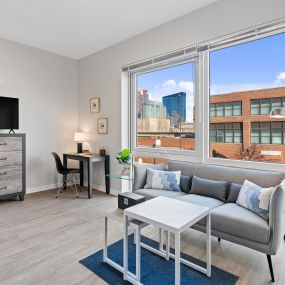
(9, 113)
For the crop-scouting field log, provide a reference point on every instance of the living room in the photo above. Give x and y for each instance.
(149, 106)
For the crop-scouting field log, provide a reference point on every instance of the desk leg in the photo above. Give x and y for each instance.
(64, 176)
(107, 171)
(177, 258)
(81, 173)
(90, 172)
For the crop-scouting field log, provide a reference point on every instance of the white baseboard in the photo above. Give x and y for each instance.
(41, 188)
(53, 186)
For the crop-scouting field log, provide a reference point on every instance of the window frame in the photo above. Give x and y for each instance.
(202, 98)
(163, 151)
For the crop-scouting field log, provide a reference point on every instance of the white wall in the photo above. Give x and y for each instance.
(100, 74)
(47, 88)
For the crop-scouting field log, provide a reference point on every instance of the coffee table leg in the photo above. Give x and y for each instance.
(125, 262)
(208, 245)
(138, 253)
(167, 245)
(177, 258)
(160, 237)
(105, 240)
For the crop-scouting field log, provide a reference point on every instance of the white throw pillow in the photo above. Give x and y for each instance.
(255, 198)
(163, 180)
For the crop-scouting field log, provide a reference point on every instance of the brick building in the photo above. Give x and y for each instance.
(241, 128)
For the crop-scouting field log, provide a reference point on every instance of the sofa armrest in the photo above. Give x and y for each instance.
(140, 174)
(276, 218)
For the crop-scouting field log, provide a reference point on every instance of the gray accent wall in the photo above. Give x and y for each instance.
(100, 73)
(47, 88)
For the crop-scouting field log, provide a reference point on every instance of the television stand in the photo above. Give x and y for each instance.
(11, 131)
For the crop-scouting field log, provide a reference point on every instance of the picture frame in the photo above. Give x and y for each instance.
(94, 105)
(102, 125)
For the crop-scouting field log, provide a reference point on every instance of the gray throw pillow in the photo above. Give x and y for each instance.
(233, 192)
(210, 188)
(163, 180)
(185, 183)
(140, 173)
(255, 198)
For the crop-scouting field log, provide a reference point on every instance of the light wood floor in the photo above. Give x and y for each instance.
(43, 238)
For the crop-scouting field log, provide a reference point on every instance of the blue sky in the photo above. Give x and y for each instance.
(253, 65)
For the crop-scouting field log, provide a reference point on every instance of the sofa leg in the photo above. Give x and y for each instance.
(270, 267)
(219, 239)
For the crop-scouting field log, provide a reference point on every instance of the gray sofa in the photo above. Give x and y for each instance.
(229, 221)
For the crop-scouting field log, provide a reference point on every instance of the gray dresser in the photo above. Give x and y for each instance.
(12, 165)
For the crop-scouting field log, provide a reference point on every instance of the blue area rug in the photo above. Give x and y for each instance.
(155, 270)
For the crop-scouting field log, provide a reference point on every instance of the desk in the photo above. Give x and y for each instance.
(90, 158)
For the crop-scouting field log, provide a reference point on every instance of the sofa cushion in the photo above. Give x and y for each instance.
(255, 198)
(202, 201)
(235, 220)
(210, 188)
(185, 183)
(233, 192)
(140, 173)
(164, 180)
(152, 193)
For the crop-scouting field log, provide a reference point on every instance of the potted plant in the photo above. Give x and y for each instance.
(124, 157)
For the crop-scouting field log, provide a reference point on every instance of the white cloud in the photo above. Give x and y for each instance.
(224, 89)
(169, 83)
(281, 76)
(187, 85)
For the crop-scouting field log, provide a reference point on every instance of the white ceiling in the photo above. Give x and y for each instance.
(77, 28)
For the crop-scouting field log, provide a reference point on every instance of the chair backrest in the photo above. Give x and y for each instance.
(59, 167)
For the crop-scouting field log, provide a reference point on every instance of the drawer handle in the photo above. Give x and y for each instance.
(4, 158)
(3, 188)
(3, 143)
(3, 173)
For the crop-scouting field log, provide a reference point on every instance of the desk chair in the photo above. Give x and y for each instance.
(66, 181)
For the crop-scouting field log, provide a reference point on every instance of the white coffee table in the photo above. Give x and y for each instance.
(173, 216)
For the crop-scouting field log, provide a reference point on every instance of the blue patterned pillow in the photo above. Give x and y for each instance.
(255, 198)
(163, 180)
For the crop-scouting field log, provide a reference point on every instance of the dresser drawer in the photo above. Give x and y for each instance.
(10, 143)
(10, 180)
(10, 158)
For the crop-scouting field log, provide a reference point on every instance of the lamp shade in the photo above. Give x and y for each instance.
(277, 113)
(79, 137)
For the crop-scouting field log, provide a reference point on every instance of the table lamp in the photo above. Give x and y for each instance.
(79, 138)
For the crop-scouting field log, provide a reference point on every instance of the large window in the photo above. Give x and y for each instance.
(265, 105)
(248, 76)
(165, 100)
(221, 116)
(268, 133)
(227, 109)
(226, 133)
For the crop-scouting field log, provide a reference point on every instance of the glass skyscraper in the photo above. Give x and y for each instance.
(175, 107)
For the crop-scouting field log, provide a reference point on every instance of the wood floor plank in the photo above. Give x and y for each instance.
(43, 238)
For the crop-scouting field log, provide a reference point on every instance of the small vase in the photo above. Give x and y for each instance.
(126, 169)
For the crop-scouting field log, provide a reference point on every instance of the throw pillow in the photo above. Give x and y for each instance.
(185, 183)
(255, 198)
(163, 180)
(233, 192)
(210, 188)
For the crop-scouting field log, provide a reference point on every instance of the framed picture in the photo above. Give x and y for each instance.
(94, 105)
(102, 126)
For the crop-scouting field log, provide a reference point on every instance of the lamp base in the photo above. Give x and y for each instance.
(79, 148)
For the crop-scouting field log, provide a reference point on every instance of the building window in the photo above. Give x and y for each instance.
(227, 109)
(239, 80)
(165, 106)
(267, 133)
(226, 133)
(264, 106)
